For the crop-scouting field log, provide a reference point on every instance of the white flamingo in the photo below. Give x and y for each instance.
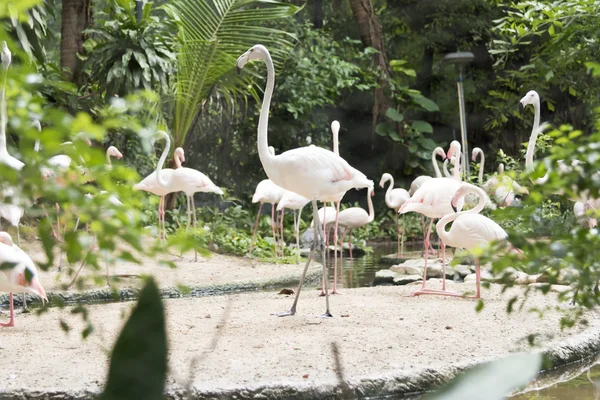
(394, 199)
(311, 172)
(150, 184)
(266, 192)
(294, 202)
(470, 230)
(22, 277)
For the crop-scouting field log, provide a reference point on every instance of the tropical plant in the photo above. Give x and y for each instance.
(214, 34)
(125, 54)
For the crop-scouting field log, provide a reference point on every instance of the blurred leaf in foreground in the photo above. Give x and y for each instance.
(138, 363)
(492, 381)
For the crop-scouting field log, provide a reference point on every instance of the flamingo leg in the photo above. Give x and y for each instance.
(273, 223)
(255, 227)
(12, 313)
(189, 211)
(350, 242)
(58, 222)
(78, 271)
(282, 243)
(398, 232)
(316, 242)
(323, 293)
(160, 231)
(296, 231)
(335, 252)
(195, 227)
(164, 223)
(402, 239)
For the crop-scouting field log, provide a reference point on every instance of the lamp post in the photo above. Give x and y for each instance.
(461, 59)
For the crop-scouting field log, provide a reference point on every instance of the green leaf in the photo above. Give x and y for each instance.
(138, 363)
(424, 102)
(497, 379)
(395, 137)
(479, 306)
(394, 115)
(422, 127)
(382, 129)
(549, 75)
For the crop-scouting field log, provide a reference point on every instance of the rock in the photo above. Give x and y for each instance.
(307, 238)
(434, 270)
(407, 270)
(465, 258)
(560, 288)
(286, 291)
(384, 276)
(485, 276)
(522, 278)
(566, 276)
(393, 259)
(462, 270)
(406, 279)
(508, 275)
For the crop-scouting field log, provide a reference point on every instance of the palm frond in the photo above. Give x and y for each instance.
(215, 33)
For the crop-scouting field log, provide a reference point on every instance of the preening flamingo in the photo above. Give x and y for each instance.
(394, 199)
(21, 277)
(312, 172)
(469, 229)
(267, 192)
(433, 201)
(294, 202)
(150, 184)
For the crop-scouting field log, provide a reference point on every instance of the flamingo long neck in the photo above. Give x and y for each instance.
(370, 202)
(456, 163)
(3, 114)
(445, 220)
(177, 161)
(266, 158)
(108, 162)
(532, 140)
(161, 162)
(480, 177)
(336, 145)
(388, 193)
(436, 168)
(445, 169)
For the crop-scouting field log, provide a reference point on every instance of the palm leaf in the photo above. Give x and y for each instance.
(215, 33)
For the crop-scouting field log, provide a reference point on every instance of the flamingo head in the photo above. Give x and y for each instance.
(532, 97)
(371, 191)
(440, 152)
(32, 286)
(112, 151)
(459, 197)
(384, 178)
(256, 52)
(179, 155)
(454, 149)
(475, 152)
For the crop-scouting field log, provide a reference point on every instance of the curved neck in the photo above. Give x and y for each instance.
(388, 193)
(3, 116)
(481, 165)
(445, 220)
(436, 168)
(108, 162)
(336, 145)
(456, 163)
(263, 120)
(534, 135)
(161, 162)
(500, 169)
(370, 202)
(445, 169)
(177, 161)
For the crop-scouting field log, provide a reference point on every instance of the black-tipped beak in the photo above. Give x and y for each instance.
(521, 108)
(453, 206)
(238, 69)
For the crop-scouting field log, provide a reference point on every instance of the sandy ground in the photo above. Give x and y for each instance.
(238, 343)
(215, 269)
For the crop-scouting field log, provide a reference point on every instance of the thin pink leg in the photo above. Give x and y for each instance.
(12, 313)
(398, 233)
(273, 222)
(281, 232)
(402, 239)
(160, 230)
(255, 226)
(350, 242)
(164, 223)
(443, 265)
(325, 226)
(335, 249)
(426, 255)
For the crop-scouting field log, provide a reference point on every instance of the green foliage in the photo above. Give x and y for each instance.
(138, 363)
(124, 54)
(214, 34)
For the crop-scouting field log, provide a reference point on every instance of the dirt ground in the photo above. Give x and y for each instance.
(237, 342)
(215, 269)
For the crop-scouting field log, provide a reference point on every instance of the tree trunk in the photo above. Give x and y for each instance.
(424, 76)
(76, 17)
(318, 20)
(371, 35)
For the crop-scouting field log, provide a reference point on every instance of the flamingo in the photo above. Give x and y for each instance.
(22, 277)
(191, 181)
(469, 229)
(294, 202)
(356, 217)
(312, 172)
(433, 201)
(394, 199)
(455, 154)
(266, 192)
(503, 188)
(150, 184)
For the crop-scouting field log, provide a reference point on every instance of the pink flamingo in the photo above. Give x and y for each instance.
(469, 229)
(312, 172)
(267, 192)
(16, 278)
(294, 202)
(394, 199)
(150, 184)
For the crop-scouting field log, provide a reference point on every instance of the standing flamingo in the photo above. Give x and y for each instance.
(22, 277)
(433, 201)
(394, 199)
(470, 229)
(294, 202)
(356, 217)
(150, 184)
(312, 172)
(266, 192)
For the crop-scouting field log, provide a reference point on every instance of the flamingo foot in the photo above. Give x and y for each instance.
(335, 291)
(326, 315)
(437, 292)
(9, 324)
(290, 313)
(322, 293)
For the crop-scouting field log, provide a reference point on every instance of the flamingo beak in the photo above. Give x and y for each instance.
(521, 107)
(38, 289)
(454, 202)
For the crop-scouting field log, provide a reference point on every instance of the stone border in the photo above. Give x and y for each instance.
(576, 349)
(168, 292)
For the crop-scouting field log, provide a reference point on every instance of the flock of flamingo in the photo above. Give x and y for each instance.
(295, 178)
